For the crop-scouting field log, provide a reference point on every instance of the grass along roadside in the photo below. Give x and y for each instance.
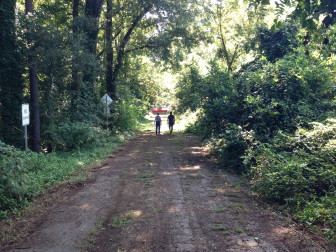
(35, 174)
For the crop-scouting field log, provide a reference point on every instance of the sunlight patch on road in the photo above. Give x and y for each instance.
(174, 209)
(105, 167)
(219, 189)
(135, 213)
(85, 206)
(196, 150)
(188, 168)
(281, 230)
(168, 173)
(134, 154)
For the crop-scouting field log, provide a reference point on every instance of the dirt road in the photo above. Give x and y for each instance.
(163, 193)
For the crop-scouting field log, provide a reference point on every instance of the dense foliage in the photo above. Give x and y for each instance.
(63, 56)
(299, 172)
(11, 84)
(272, 120)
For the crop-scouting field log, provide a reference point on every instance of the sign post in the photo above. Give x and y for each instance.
(106, 100)
(25, 122)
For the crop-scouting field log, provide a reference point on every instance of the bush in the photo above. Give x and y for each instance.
(15, 188)
(299, 172)
(230, 147)
(322, 212)
(283, 95)
(125, 115)
(73, 135)
(258, 121)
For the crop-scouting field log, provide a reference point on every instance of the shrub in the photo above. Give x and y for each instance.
(126, 115)
(321, 212)
(230, 147)
(14, 181)
(299, 172)
(73, 135)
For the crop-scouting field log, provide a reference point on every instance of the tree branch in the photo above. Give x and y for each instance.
(126, 39)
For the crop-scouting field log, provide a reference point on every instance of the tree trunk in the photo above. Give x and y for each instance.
(228, 57)
(34, 90)
(74, 80)
(110, 85)
(93, 10)
(11, 84)
(223, 42)
(75, 8)
(123, 44)
(29, 7)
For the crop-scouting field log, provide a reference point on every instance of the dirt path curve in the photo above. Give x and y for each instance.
(164, 193)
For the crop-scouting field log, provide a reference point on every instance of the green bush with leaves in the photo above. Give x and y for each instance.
(73, 135)
(125, 115)
(320, 211)
(283, 95)
(299, 172)
(15, 188)
(230, 147)
(259, 123)
(273, 43)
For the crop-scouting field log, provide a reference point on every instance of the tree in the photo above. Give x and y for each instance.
(151, 26)
(11, 84)
(222, 17)
(75, 79)
(275, 43)
(110, 84)
(33, 83)
(312, 14)
(121, 49)
(232, 24)
(93, 10)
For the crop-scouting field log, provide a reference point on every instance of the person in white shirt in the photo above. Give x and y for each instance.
(157, 123)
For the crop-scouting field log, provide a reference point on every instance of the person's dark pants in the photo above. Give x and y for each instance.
(157, 128)
(171, 127)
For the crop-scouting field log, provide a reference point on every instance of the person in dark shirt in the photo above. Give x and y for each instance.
(171, 121)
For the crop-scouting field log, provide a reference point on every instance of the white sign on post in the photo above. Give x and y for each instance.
(106, 100)
(25, 114)
(25, 122)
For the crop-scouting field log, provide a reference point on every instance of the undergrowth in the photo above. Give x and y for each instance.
(295, 171)
(25, 174)
(298, 172)
(269, 122)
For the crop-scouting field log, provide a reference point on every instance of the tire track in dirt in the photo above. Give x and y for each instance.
(164, 193)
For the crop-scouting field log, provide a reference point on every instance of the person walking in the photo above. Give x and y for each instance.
(171, 122)
(157, 123)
